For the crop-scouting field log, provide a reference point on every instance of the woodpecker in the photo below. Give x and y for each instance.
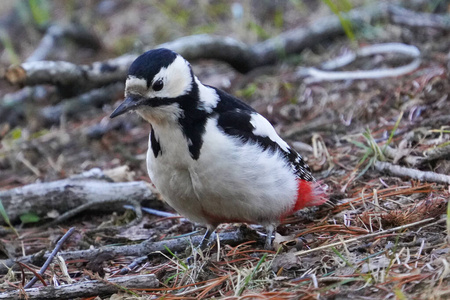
(212, 157)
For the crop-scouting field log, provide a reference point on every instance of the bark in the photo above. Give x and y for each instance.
(67, 194)
(397, 170)
(239, 55)
(180, 245)
(85, 289)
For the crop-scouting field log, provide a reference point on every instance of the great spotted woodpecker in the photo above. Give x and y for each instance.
(212, 157)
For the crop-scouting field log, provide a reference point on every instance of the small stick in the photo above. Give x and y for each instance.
(50, 258)
(299, 253)
(133, 265)
(412, 173)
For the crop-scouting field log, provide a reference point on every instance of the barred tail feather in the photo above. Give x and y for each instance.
(310, 193)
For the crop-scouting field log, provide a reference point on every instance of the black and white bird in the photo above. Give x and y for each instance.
(212, 157)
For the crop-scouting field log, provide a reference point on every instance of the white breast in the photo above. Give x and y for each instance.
(230, 180)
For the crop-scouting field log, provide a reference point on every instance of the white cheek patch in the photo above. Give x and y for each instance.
(135, 85)
(265, 129)
(177, 80)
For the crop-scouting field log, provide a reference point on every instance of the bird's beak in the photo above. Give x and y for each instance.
(130, 102)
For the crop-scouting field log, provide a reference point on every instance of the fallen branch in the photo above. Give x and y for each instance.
(72, 193)
(436, 154)
(413, 160)
(363, 237)
(86, 289)
(243, 234)
(51, 256)
(12, 105)
(55, 33)
(65, 74)
(403, 16)
(411, 173)
(315, 75)
(240, 56)
(82, 103)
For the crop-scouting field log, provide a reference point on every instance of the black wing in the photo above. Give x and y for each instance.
(234, 118)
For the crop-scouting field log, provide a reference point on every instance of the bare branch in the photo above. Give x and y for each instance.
(67, 194)
(316, 75)
(86, 289)
(242, 57)
(82, 103)
(411, 173)
(51, 256)
(403, 16)
(56, 32)
(243, 234)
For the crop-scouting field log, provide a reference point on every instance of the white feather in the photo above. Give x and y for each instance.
(265, 129)
(229, 180)
(177, 80)
(208, 96)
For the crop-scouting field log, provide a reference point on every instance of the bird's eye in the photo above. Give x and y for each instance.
(158, 85)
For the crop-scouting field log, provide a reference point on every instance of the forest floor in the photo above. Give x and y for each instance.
(386, 236)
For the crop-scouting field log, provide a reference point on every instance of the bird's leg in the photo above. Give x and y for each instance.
(269, 229)
(204, 244)
(206, 238)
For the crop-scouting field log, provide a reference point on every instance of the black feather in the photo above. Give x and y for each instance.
(150, 63)
(193, 121)
(156, 146)
(233, 115)
(234, 118)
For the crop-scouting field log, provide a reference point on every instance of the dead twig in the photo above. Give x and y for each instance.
(242, 57)
(87, 288)
(50, 257)
(55, 33)
(411, 173)
(436, 154)
(82, 103)
(403, 16)
(315, 75)
(413, 160)
(371, 235)
(145, 248)
(71, 194)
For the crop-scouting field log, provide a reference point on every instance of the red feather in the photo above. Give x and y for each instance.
(309, 194)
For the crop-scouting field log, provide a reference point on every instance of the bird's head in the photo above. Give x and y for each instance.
(155, 80)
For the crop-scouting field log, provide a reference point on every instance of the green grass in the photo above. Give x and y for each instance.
(251, 275)
(372, 151)
(339, 8)
(6, 218)
(40, 11)
(9, 48)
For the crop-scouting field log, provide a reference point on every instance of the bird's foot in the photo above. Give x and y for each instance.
(268, 244)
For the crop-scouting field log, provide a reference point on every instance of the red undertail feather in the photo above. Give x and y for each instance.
(309, 194)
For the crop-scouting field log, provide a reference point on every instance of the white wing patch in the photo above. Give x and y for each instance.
(207, 96)
(265, 129)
